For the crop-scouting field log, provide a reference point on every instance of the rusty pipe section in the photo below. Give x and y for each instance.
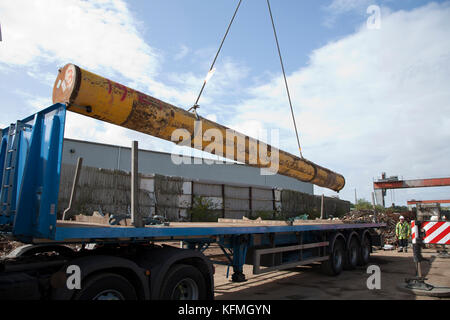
(96, 97)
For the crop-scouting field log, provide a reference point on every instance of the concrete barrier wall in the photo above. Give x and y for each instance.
(181, 199)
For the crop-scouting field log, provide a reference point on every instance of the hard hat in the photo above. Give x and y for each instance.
(402, 217)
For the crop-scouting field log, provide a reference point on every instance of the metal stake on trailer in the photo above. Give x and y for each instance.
(136, 218)
(73, 194)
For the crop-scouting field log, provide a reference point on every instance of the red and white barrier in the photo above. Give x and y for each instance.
(435, 232)
(414, 231)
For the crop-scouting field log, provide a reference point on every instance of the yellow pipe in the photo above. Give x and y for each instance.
(94, 96)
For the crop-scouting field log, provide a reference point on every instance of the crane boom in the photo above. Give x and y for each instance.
(97, 97)
(416, 183)
(411, 202)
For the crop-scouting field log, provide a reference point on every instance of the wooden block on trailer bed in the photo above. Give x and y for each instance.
(99, 220)
(278, 222)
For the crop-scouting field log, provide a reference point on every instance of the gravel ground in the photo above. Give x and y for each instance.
(308, 282)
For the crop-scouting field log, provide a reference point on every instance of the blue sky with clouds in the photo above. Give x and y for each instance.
(366, 100)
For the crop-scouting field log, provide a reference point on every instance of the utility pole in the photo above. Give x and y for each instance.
(374, 207)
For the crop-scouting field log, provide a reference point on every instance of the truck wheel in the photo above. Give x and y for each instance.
(334, 265)
(106, 286)
(183, 282)
(352, 255)
(365, 252)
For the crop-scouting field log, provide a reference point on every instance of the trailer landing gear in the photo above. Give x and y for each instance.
(238, 276)
(417, 285)
(240, 247)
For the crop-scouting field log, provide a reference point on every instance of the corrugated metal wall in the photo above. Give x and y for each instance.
(118, 158)
(180, 199)
(108, 191)
(233, 201)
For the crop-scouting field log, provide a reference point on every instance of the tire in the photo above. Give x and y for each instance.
(353, 255)
(106, 286)
(335, 264)
(183, 282)
(365, 252)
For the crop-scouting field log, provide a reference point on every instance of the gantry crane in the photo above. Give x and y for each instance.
(381, 185)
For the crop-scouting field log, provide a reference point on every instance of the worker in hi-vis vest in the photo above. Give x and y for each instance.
(403, 232)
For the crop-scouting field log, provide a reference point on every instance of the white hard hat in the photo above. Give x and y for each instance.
(402, 217)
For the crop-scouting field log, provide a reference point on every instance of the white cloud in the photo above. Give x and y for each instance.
(184, 50)
(341, 6)
(36, 103)
(185, 87)
(97, 35)
(39, 103)
(227, 76)
(211, 117)
(46, 78)
(357, 8)
(84, 128)
(374, 101)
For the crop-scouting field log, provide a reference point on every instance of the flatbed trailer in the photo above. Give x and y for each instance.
(125, 262)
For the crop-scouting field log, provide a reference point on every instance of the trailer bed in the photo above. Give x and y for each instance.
(73, 231)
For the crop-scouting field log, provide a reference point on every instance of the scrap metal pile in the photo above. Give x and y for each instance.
(390, 218)
(6, 245)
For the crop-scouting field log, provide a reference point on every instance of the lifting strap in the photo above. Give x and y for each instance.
(211, 70)
(285, 79)
(196, 105)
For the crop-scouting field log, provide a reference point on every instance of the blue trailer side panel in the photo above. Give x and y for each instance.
(37, 173)
(94, 233)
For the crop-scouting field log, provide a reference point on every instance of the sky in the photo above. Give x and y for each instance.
(366, 99)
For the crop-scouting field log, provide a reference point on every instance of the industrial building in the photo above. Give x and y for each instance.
(112, 157)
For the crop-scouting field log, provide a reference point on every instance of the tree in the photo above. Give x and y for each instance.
(363, 204)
